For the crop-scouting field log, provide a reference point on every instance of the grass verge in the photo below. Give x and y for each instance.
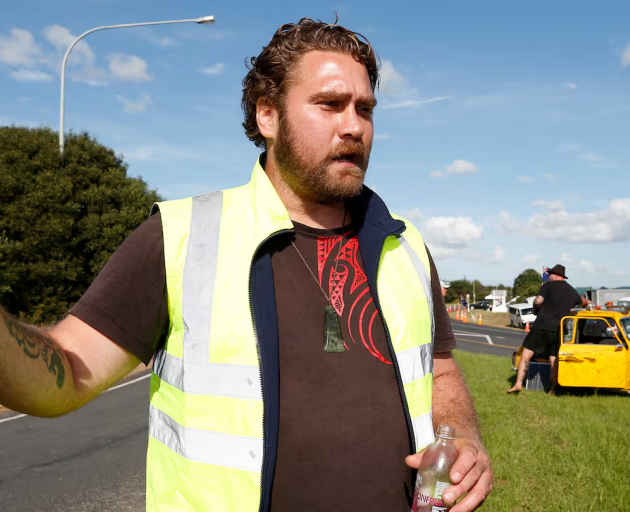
(563, 453)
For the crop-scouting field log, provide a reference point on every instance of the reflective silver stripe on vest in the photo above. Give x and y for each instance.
(415, 363)
(205, 446)
(239, 381)
(423, 430)
(200, 275)
(425, 279)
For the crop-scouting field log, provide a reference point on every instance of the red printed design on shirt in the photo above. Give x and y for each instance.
(348, 289)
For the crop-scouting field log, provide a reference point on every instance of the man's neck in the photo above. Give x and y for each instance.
(303, 210)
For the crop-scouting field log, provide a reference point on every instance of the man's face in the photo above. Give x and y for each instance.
(325, 130)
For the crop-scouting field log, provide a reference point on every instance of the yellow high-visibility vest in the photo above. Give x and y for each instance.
(206, 411)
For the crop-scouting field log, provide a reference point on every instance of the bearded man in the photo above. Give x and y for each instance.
(302, 352)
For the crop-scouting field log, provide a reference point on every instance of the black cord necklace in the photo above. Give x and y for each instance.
(333, 338)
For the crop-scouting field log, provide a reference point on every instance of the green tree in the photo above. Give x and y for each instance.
(527, 283)
(59, 226)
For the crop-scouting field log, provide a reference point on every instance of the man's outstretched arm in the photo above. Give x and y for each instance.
(51, 372)
(453, 406)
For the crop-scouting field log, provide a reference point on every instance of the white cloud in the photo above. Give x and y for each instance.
(591, 156)
(587, 267)
(29, 75)
(382, 136)
(414, 214)
(530, 259)
(447, 236)
(217, 69)
(571, 86)
(549, 177)
(461, 167)
(412, 103)
(612, 224)
(498, 255)
(19, 49)
(625, 57)
(525, 179)
(457, 167)
(141, 105)
(568, 147)
(81, 63)
(164, 42)
(566, 257)
(129, 67)
(392, 83)
(553, 206)
(61, 38)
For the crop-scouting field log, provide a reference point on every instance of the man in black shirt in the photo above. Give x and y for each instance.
(553, 301)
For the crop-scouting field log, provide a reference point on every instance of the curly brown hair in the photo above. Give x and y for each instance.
(270, 73)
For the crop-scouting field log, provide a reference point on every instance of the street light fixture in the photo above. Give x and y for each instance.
(204, 20)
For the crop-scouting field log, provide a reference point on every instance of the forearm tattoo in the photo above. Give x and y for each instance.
(36, 345)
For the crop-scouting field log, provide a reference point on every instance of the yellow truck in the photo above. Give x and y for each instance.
(594, 349)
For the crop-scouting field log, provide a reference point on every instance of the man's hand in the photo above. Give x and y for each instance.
(470, 474)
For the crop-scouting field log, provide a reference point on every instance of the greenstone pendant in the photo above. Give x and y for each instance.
(333, 339)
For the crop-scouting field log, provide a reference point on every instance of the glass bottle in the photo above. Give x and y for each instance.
(433, 473)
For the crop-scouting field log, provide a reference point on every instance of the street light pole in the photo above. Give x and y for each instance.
(205, 20)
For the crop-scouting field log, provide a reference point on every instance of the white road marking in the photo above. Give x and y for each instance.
(474, 334)
(501, 337)
(130, 382)
(110, 389)
(13, 418)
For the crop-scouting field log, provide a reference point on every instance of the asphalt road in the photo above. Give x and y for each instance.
(94, 459)
(488, 340)
(90, 460)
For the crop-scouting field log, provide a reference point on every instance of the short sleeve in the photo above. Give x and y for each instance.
(543, 290)
(444, 338)
(127, 302)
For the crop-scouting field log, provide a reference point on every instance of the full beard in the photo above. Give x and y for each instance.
(318, 181)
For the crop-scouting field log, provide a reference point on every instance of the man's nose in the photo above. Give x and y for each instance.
(351, 125)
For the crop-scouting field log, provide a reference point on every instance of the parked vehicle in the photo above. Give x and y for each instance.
(623, 302)
(520, 314)
(594, 350)
(605, 296)
(486, 305)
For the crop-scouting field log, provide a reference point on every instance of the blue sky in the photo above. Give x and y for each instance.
(502, 128)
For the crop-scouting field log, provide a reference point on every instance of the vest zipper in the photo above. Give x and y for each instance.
(260, 370)
(401, 389)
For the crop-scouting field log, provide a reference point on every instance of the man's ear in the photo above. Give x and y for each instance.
(267, 118)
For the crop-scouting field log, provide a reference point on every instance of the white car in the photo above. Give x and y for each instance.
(520, 314)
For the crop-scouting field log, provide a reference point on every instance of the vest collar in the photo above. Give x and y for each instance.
(264, 202)
(271, 214)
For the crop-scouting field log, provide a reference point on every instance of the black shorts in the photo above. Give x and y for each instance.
(542, 342)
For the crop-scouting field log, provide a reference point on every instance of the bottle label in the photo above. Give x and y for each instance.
(437, 505)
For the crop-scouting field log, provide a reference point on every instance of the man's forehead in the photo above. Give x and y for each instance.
(332, 72)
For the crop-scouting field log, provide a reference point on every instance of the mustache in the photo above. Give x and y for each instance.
(354, 149)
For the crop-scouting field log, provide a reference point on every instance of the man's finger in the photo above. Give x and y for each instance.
(413, 461)
(476, 495)
(465, 462)
(453, 492)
